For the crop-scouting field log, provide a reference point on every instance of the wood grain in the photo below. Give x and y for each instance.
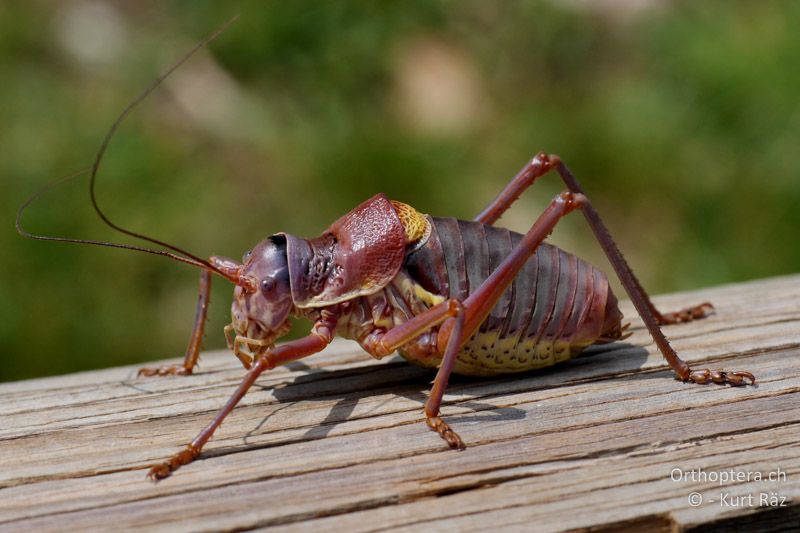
(337, 441)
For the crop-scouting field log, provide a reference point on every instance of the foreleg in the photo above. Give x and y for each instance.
(321, 336)
(196, 340)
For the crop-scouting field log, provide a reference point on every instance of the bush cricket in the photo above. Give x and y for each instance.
(461, 296)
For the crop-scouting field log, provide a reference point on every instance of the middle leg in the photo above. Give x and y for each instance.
(459, 322)
(320, 336)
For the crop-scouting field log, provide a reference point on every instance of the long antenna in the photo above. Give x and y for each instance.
(59, 181)
(136, 101)
(188, 257)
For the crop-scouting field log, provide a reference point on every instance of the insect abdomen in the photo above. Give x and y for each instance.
(556, 306)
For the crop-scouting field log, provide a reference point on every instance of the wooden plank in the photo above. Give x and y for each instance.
(337, 441)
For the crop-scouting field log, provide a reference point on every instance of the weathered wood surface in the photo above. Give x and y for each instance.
(338, 442)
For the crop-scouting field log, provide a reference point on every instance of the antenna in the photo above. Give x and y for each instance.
(184, 257)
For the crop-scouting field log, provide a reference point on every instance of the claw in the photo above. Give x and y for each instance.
(688, 314)
(443, 429)
(166, 370)
(159, 472)
(185, 456)
(721, 377)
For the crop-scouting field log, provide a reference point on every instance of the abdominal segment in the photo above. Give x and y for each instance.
(556, 306)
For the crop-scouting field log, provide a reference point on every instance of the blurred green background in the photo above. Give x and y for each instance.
(682, 119)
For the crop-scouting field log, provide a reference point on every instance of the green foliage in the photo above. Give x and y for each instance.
(681, 119)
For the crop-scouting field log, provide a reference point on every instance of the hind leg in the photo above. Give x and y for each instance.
(541, 165)
(651, 317)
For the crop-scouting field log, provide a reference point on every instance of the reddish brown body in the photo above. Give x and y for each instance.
(461, 296)
(556, 305)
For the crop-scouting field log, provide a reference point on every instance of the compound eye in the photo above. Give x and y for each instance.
(246, 256)
(267, 285)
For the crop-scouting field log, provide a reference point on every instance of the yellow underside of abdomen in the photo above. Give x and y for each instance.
(487, 355)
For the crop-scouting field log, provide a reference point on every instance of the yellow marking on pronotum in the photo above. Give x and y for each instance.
(415, 224)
